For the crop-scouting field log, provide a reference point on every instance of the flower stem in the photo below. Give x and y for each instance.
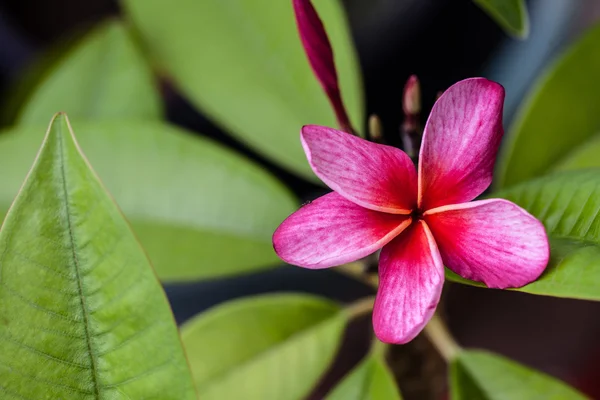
(440, 337)
(378, 348)
(357, 270)
(360, 307)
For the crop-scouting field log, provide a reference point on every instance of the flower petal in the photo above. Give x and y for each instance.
(460, 143)
(375, 176)
(332, 231)
(411, 277)
(491, 241)
(320, 56)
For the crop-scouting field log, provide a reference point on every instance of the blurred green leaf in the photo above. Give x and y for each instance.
(479, 375)
(269, 347)
(242, 63)
(560, 114)
(103, 77)
(200, 210)
(568, 203)
(370, 380)
(511, 15)
(81, 312)
(587, 155)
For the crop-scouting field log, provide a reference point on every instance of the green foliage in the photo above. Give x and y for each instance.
(242, 63)
(511, 15)
(102, 77)
(200, 210)
(560, 114)
(584, 156)
(479, 375)
(271, 347)
(568, 203)
(370, 380)
(81, 312)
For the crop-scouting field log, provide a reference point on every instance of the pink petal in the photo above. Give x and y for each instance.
(411, 277)
(320, 55)
(460, 143)
(375, 176)
(491, 241)
(332, 231)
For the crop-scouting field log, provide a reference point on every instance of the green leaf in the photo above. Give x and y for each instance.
(255, 80)
(584, 156)
(511, 15)
(568, 203)
(559, 115)
(81, 312)
(269, 347)
(479, 375)
(200, 210)
(102, 77)
(370, 380)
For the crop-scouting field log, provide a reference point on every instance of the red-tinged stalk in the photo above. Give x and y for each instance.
(320, 56)
(411, 127)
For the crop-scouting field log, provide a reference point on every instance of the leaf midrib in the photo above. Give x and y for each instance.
(85, 311)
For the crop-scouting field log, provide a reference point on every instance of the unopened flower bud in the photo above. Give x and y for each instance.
(320, 56)
(411, 101)
(375, 129)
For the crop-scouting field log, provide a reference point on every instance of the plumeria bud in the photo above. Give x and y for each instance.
(375, 129)
(320, 56)
(411, 102)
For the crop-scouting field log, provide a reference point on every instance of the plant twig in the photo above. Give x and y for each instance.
(357, 270)
(378, 348)
(360, 307)
(440, 337)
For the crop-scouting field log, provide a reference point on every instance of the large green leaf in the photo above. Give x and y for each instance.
(102, 77)
(270, 347)
(370, 380)
(560, 114)
(200, 210)
(568, 203)
(241, 62)
(587, 155)
(511, 15)
(479, 375)
(82, 314)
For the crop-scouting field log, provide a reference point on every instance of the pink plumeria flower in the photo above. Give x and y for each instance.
(421, 220)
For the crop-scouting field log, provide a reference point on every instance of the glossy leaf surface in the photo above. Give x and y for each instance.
(199, 210)
(559, 115)
(82, 314)
(271, 347)
(257, 82)
(511, 15)
(479, 375)
(568, 204)
(370, 380)
(104, 76)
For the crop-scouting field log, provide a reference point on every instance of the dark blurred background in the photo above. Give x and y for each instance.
(441, 41)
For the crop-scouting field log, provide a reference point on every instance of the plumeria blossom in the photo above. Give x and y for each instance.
(421, 220)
